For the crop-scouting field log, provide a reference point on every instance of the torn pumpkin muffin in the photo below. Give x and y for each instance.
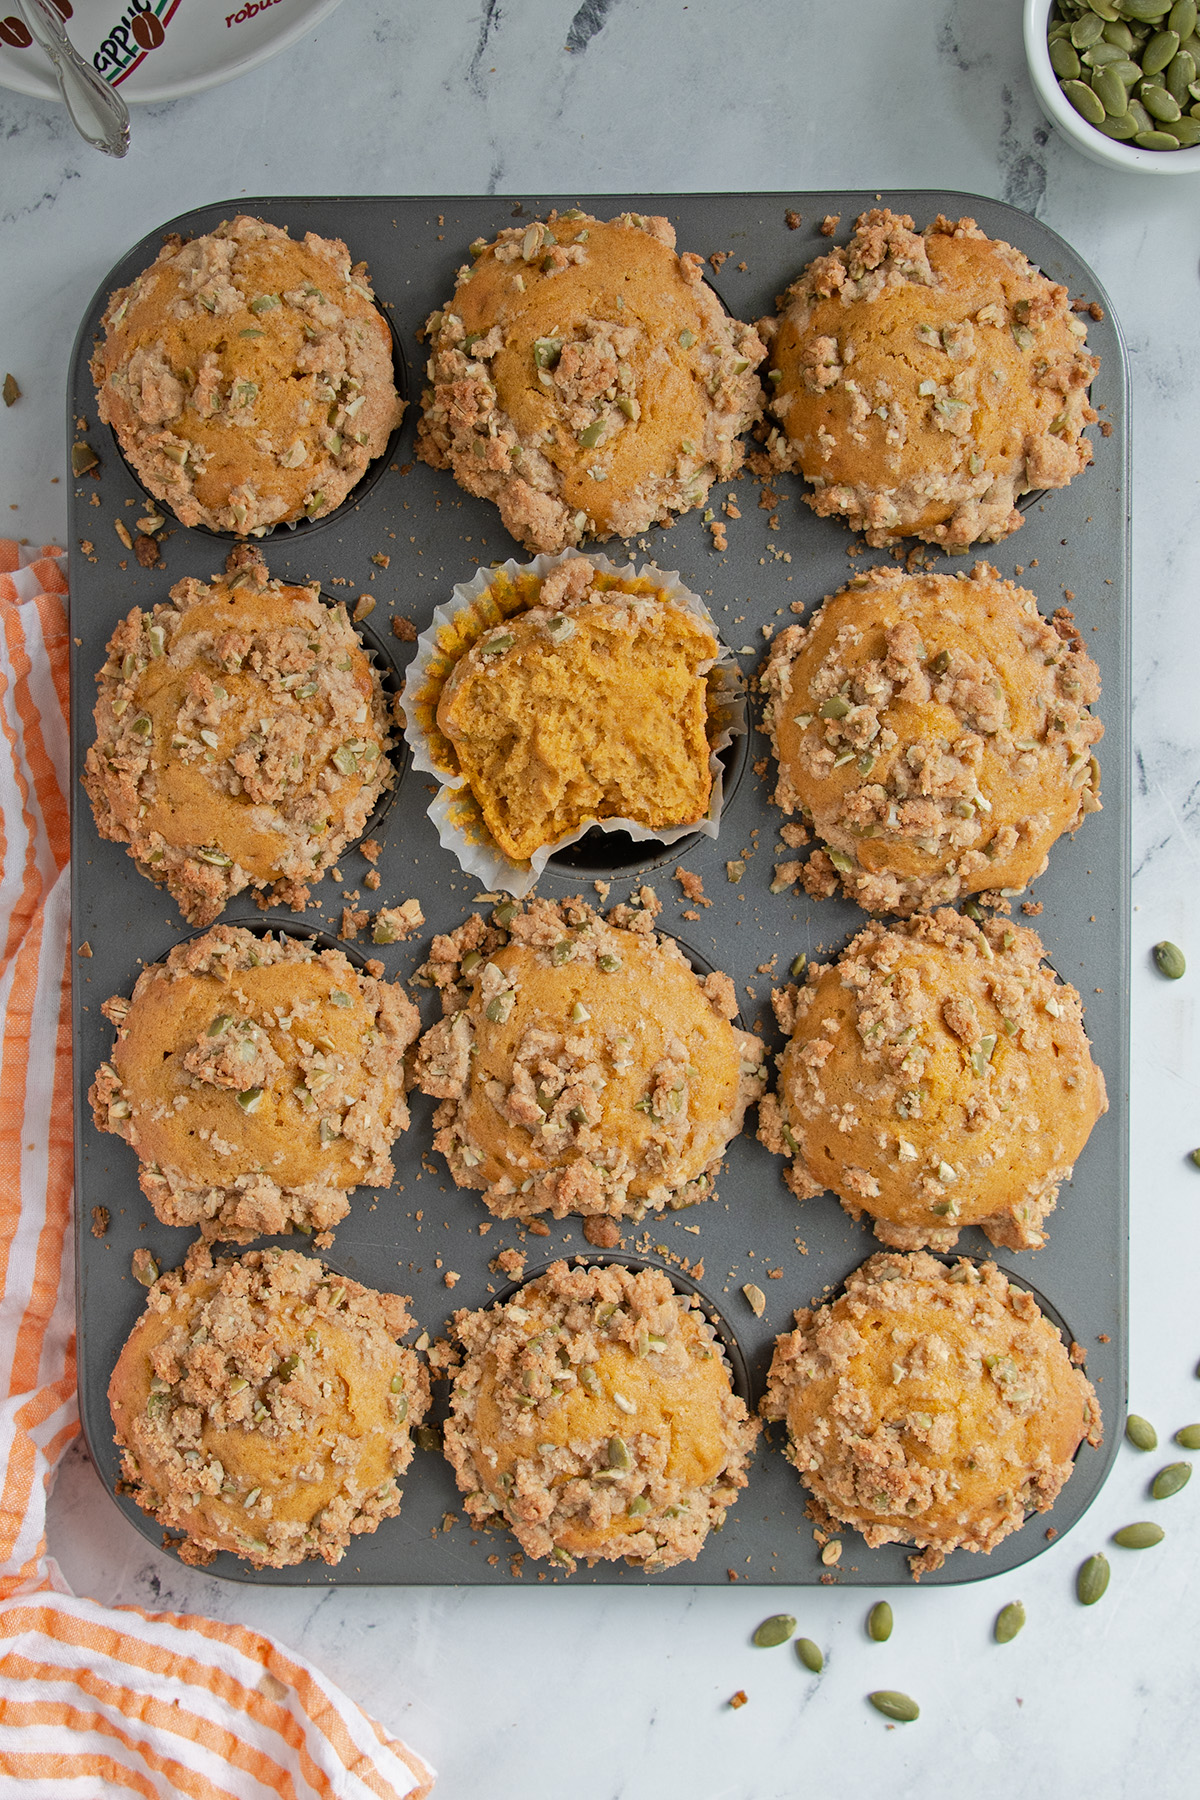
(935, 731)
(258, 1079)
(922, 382)
(929, 1405)
(595, 1415)
(936, 1076)
(582, 1065)
(590, 702)
(263, 1406)
(242, 735)
(248, 377)
(586, 379)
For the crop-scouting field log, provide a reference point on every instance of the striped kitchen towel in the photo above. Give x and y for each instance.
(94, 1700)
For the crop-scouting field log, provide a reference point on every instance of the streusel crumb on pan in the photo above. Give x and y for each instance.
(586, 379)
(258, 1079)
(594, 1413)
(921, 382)
(936, 1076)
(929, 1405)
(263, 1406)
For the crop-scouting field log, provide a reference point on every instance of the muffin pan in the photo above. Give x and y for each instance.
(425, 535)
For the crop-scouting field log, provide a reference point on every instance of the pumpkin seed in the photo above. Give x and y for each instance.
(1143, 12)
(1182, 18)
(1087, 104)
(1185, 131)
(1009, 1621)
(1064, 60)
(250, 1099)
(618, 1454)
(610, 964)
(1180, 73)
(1141, 1433)
(562, 953)
(1092, 1579)
(83, 458)
(797, 967)
(1170, 960)
(1168, 1481)
(894, 1705)
(1101, 55)
(1156, 140)
(1159, 51)
(810, 1655)
(590, 436)
(775, 1630)
(1087, 30)
(1141, 1536)
(1110, 90)
(1159, 104)
(834, 708)
(879, 1622)
(1188, 1437)
(497, 1010)
(1122, 128)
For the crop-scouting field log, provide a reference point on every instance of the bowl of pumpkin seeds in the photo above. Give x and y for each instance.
(1120, 79)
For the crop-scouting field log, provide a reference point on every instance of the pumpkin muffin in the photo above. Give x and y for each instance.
(936, 1076)
(591, 704)
(248, 377)
(583, 1066)
(929, 1405)
(935, 732)
(263, 1406)
(241, 739)
(258, 1079)
(594, 1414)
(586, 379)
(922, 382)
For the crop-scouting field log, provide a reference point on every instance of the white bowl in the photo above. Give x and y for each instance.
(1074, 127)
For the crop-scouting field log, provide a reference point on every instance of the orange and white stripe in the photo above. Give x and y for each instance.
(96, 1701)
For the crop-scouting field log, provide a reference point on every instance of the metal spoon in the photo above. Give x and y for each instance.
(98, 113)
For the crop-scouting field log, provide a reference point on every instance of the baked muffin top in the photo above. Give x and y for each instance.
(929, 1405)
(594, 1413)
(248, 376)
(937, 1075)
(583, 1066)
(257, 1078)
(263, 1406)
(591, 704)
(241, 739)
(935, 732)
(923, 381)
(585, 378)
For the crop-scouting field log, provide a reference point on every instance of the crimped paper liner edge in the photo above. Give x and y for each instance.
(487, 862)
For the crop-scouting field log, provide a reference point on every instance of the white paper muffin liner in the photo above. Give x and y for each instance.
(454, 811)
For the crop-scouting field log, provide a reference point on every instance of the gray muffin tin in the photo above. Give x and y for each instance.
(1073, 549)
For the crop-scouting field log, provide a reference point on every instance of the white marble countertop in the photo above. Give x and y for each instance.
(614, 1694)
